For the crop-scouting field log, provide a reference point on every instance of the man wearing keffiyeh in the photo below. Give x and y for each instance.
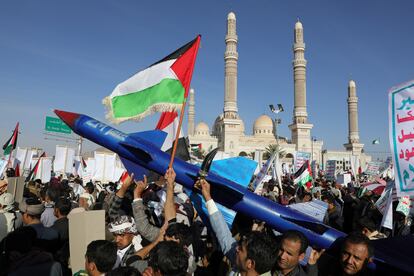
(124, 229)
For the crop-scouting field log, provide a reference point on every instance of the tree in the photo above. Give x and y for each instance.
(270, 149)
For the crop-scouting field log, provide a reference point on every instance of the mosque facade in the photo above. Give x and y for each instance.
(228, 131)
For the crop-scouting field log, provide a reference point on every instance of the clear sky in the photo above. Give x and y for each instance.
(71, 54)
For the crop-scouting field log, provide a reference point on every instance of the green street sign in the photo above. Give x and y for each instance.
(56, 125)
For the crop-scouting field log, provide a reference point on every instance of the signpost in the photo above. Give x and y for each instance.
(56, 125)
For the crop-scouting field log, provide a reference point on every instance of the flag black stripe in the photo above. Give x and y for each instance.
(177, 53)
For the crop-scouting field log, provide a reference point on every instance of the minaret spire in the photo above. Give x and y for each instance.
(230, 73)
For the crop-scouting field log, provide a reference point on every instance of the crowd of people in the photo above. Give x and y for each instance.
(152, 228)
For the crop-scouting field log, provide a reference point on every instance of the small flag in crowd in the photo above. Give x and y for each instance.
(33, 172)
(161, 87)
(10, 145)
(303, 175)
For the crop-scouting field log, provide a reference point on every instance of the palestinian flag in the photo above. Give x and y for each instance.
(161, 87)
(303, 175)
(168, 123)
(196, 147)
(10, 145)
(33, 172)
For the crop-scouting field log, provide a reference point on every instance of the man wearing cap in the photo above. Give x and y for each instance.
(31, 210)
(9, 218)
(124, 230)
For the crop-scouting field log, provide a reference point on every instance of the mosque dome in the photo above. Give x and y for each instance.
(231, 15)
(263, 125)
(202, 129)
(298, 25)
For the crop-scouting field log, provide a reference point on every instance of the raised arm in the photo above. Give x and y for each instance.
(169, 208)
(147, 230)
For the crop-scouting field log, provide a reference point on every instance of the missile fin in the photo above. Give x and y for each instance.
(155, 137)
(236, 169)
(134, 168)
(144, 155)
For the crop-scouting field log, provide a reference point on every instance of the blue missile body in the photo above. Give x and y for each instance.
(143, 149)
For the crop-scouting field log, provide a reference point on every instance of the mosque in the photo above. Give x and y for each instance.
(228, 131)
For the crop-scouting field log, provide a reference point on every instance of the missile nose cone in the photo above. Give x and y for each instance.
(68, 117)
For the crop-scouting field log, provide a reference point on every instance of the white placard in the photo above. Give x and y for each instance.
(64, 159)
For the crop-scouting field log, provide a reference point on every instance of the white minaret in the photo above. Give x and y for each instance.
(300, 127)
(230, 72)
(353, 134)
(191, 113)
(229, 123)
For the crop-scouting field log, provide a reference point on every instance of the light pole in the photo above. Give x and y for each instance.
(277, 121)
(313, 140)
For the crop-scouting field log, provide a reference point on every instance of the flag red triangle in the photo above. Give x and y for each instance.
(184, 65)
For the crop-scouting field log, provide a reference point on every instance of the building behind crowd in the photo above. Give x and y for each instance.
(229, 133)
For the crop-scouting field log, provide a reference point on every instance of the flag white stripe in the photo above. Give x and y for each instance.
(145, 79)
(171, 131)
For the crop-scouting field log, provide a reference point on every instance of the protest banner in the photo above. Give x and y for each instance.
(84, 227)
(355, 164)
(44, 171)
(401, 136)
(330, 172)
(15, 186)
(259, 180)
(344, 179)
(382, 203)
(300, 158)
(374, 167)
(315, 208)
(387, 217)
(24, 158)
(64, 159)
(106, 168)
(404, 205)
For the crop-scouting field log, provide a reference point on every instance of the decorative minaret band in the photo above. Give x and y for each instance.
(230, 71)
(191, 113)
(353, 136)
(299, 75)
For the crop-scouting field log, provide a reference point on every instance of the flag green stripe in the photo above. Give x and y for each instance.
(305, 180)
(8, 149)
(168, 91)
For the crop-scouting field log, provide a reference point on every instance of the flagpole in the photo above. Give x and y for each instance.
(183, 105)
(177, 136)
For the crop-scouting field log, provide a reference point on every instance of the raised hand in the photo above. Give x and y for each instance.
(205, 189)
(315, 255)
(140, 187)
(170, 177)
